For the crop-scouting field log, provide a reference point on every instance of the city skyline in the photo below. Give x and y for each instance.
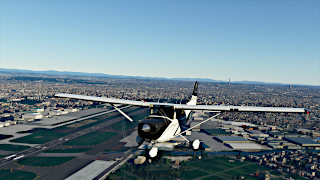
(264, 41)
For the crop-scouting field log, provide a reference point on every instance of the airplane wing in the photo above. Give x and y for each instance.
(184, 106)
(241, 108)
(111, 100)
(103, 99)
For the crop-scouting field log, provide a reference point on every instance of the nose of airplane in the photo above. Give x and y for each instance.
(146, 128)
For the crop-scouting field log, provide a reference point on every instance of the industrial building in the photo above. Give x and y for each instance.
(91, 171)
(276, 134)
(304, 142)
(231, 139)
(244, 146)
(255, 133)
(205, 147)
(32, 116)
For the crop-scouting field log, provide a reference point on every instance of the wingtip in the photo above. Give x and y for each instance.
(306, 111)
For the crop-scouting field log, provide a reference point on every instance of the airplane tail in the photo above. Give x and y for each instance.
(194, 98)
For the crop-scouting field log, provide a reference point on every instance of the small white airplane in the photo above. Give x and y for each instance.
(162, 125)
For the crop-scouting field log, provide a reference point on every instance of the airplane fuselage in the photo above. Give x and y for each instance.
(158, 129)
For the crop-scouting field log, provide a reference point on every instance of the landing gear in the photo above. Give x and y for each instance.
(196, 144)
(153, 151)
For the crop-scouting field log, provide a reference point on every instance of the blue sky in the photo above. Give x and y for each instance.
(255, 40)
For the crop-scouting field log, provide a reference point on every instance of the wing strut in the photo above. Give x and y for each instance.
(180, 134)
(124, 114)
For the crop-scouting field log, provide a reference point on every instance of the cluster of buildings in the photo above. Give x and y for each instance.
(299, 162)
(35, 114)
(29, 99)
(287, 152)
(23, 100)
(250, 137)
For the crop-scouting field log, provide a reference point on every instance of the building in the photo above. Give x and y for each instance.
(205, 147)
(32, 116)
(140, 160)
(317, 139)
(231, 139)
(196, 128)
(244, 146)
(255, 133)
(304, 142)
(91, 171)
(71, 110)
(276, 134)
(38, 110)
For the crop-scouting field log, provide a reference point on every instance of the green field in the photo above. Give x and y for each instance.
(138, 117)
(16, 174)
(215, 165)
(67, 150)
(221, 168)
(40, 137)
(93, 138)
(126, 124)
(44, 161)
(10, 147)
(192, 174)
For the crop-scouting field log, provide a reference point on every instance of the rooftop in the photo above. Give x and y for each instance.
(231, 138)
(303, 141)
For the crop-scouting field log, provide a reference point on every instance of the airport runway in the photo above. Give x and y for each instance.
(61, 140)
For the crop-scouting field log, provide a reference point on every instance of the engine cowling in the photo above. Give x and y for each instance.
(153, 151)
(152, 128)
(196, 144)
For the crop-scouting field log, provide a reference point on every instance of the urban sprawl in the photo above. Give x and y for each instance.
(293, 139)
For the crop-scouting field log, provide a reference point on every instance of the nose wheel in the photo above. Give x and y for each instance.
(153, 151)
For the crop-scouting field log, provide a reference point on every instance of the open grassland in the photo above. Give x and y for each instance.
(16, 174)
(93, 138)
(223, 168)
(82, 123)
(71, 150)
(192, 174)
(40, 137)
(44, 161)
(213, 167)
(10, 147)
(123, 124)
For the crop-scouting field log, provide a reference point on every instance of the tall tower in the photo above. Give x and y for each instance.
(229, 82)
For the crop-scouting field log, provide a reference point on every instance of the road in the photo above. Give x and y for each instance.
(55, 142)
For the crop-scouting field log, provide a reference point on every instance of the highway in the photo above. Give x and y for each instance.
(39, 148)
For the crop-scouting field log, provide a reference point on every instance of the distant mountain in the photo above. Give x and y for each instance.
(102, 75)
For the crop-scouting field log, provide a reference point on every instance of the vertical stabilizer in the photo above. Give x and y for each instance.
(194, 98)
(195, 89)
